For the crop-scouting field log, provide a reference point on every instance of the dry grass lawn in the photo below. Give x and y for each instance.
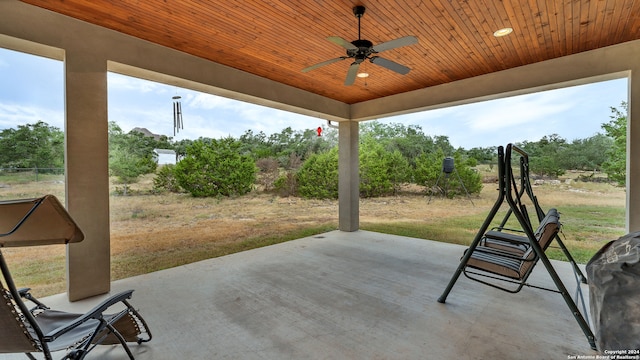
(153, 232)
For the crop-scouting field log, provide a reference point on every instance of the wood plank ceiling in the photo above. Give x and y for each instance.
(276, 39)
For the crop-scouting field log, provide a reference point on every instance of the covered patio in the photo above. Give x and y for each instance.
(343, 295)
(242, 50)
(348, 293)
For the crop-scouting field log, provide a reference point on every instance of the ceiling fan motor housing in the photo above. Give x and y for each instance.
(363, 49)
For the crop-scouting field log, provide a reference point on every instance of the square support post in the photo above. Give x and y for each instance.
(633, 152)
(348, 176)
(87, 173)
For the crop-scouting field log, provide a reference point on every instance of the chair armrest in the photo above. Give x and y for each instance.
(95, 313)
(23, 291)
(25, 294)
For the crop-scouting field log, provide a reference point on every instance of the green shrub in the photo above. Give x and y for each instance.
(318, 176)
(428, 168)
(166, 180)
(287, 184)
(381, 171)
(216, 168)
(428, 172)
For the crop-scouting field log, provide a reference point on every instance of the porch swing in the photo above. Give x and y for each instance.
(503, 257)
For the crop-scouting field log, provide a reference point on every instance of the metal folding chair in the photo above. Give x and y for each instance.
(24, 329)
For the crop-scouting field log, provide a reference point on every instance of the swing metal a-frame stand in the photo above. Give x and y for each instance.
(514, 196)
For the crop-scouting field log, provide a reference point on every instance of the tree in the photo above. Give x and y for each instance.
(586, 154)
(318, 176)
(483, 155)
(181, 146)
(381, 171)
(429, 169)
(616, 129)
(288, 145)
(216, 168)
(410, 140)
(256, 145)
(130, 155)
(32, 146)
(269, 172)
(165, 179)
(545, 155)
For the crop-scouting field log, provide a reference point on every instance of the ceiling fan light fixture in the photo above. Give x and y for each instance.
(363, 75)
(503, 32)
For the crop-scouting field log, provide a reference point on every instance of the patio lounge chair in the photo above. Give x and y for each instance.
(44, 221)
(506, 257)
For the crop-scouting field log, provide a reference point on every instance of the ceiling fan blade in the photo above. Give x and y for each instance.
(313, 67)
(342, 42)
(351, 73)
(391, 65)
(392, 44)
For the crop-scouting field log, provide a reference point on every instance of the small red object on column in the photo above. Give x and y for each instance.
(319, 130)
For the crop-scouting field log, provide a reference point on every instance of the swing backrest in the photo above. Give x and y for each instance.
(546, 232)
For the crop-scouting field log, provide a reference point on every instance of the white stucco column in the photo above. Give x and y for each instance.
(633, 152)
(348, 176)
(87, 170)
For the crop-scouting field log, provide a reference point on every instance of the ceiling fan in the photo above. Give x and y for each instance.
(361, 50)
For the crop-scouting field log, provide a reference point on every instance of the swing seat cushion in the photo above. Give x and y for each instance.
(496, 261)
(510, 264)
(505, 241)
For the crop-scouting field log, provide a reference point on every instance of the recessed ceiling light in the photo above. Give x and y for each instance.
(503, 32)
(363, 75)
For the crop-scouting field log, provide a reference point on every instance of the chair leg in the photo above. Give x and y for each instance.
(487, 222)
(474, 244)
(123, 342)
(144, 328)
(569, 301)
(465, 259)
(443, 298)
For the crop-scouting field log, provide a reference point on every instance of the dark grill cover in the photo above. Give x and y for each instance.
(614, 293)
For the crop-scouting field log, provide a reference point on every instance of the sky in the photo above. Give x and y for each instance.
(32, 89)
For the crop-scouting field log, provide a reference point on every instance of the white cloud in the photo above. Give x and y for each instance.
(515, 112)
(209, 102)
(573, 113)
(233, 117)
(129, 117)
(12, 115)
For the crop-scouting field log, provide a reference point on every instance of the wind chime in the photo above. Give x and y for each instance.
(177, 115)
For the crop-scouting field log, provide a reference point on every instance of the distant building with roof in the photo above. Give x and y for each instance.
(165, 156)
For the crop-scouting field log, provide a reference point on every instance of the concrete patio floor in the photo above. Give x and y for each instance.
(341, 295)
